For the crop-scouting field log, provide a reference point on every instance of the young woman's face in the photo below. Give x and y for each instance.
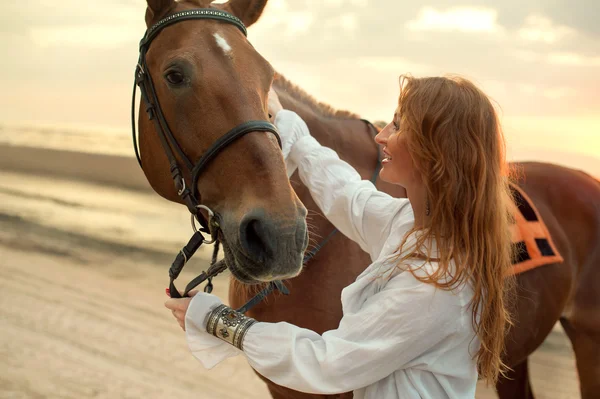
(397, 164)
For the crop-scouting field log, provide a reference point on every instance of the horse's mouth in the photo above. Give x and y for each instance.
(238, 264)
(236, 270)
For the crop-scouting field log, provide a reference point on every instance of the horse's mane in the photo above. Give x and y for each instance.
(298, 94)
(301, 95)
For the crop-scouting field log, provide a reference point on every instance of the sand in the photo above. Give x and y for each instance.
(85, 324)
(79, 321)
(83, 268)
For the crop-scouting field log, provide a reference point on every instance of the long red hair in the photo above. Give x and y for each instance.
(455, 139)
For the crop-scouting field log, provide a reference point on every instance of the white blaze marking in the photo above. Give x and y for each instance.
(222, 43)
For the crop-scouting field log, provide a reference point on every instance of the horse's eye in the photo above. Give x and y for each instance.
(174, 78)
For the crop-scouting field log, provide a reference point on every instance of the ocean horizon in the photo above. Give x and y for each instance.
(110, 140)
(91, 139)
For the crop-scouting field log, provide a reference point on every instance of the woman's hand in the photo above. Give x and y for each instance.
(274, 104)
(203, 303)
(290, 126)
(179, 307)
(191, 314)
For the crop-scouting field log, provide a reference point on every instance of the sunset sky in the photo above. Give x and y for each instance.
(71, 62)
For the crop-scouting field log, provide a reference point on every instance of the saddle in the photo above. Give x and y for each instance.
(532, 244)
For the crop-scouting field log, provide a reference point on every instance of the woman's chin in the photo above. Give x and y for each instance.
(388, 177)
(384, 175)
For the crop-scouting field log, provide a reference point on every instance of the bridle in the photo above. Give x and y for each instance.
(189, 192)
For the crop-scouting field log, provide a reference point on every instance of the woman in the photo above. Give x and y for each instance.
(429, 314)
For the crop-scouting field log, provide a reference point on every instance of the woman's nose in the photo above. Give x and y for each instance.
(382, 137)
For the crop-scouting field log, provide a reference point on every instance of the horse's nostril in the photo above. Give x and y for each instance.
(256, 238)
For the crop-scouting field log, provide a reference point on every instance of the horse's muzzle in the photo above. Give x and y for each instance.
(262, 248)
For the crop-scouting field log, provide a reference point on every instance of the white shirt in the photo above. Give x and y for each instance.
(398, 337)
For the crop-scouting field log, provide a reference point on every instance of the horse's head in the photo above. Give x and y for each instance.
(209, 79)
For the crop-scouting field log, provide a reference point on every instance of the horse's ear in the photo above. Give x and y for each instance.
(156, 9)
(247, 10)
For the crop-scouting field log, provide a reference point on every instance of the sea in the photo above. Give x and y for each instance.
(100, 214)
(100, 140)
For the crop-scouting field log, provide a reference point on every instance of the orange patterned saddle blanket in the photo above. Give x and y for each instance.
(532, 244)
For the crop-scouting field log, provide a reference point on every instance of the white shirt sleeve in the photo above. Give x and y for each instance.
(352, 205)
(394, 329)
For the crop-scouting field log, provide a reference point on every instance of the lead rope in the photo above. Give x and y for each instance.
(209, 286)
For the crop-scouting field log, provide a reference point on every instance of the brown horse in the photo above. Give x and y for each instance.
(229, 86)
(204, 90)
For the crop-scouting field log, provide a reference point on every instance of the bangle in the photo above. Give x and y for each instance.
(229, 325)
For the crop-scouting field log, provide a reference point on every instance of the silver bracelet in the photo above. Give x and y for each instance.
(229, 325)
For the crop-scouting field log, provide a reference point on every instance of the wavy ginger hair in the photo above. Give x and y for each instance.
(454, 137)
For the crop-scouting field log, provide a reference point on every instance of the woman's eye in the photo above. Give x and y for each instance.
(396, 126)
(174, 78)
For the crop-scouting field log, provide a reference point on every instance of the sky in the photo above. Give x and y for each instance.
(71, 62)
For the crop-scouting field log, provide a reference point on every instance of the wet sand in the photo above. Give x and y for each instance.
(79, 321)
(111, 169)
(83, 323)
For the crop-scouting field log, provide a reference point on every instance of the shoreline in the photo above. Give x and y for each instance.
(113, 170)
(59, 210)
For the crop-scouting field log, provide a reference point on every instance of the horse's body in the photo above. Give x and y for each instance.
(218, 86)
(568, 201)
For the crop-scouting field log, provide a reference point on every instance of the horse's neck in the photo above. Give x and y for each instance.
(350, 137)
(347, 135)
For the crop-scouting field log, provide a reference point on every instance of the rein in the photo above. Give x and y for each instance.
(189, 192)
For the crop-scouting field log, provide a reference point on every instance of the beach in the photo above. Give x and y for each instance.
(85, 247)
(85, 242)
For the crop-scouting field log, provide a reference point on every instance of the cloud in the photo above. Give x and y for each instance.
(541, 29)
(94, 36)
(534, 58)
(567, 59)
(572, 59)
(284, 19)
(298, 22)
(47, 13)
(340, 3)
(392, 64)
(346, 22)
(463, 19)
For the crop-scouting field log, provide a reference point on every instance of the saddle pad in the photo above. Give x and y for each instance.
(532, 244)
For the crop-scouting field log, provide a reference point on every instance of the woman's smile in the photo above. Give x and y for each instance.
(387, 158)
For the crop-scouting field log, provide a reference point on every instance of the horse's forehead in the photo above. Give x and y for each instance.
(206, 44)
(222, 43)
(216, 47)
(213, 35)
